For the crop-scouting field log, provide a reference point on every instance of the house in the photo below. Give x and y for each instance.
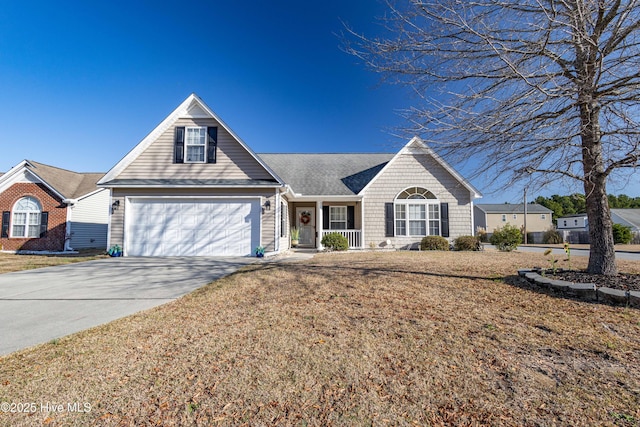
(193, 187)
(575, 222)
(578, 222)
(628, 218)
(491, 216)
(45, 208)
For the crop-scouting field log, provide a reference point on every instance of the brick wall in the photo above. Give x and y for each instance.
(54, 239)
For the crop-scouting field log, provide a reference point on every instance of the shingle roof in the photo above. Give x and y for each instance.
(632, 216)
(335, 174)
(502, 208)
(192, 182)
(69, 184)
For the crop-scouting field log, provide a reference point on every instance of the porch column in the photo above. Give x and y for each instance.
(362, 245)
(319, 222)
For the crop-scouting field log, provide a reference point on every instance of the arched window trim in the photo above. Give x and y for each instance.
(417, 213)
(25, 217)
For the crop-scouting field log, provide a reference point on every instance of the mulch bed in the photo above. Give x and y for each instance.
(622, 281)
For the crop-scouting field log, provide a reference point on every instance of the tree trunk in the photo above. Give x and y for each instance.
(602, 255)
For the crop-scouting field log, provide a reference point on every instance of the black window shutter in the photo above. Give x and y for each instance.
(5, 223)
(325, 217)
(44, 223)
(351, 217)
(178, 149)
(212, 144)
(388, 220)
(444, 219)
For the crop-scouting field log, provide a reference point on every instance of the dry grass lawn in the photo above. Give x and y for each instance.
(348, 340)
(12, 262)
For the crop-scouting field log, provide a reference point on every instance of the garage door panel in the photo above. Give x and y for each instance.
(190, 227)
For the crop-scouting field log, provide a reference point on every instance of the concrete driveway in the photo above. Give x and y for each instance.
(37, 306)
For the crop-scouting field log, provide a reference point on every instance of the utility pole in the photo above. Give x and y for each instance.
(525, 215)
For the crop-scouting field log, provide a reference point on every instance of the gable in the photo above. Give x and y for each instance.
(432, 163)
(154, 157)
(421, 170)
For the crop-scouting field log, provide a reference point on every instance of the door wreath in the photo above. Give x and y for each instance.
(305, 217)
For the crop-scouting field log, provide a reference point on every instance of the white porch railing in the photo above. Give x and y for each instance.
(353, 236)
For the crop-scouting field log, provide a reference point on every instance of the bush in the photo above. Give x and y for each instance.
(434, 243)
(506, 238)
(467, 243)
(621, 234)
(551, 236)
(335, 242)
(482, 235)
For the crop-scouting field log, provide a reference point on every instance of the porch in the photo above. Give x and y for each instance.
(315, 219)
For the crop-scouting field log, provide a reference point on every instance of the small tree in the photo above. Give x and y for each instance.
(506, 238)
(622, 234)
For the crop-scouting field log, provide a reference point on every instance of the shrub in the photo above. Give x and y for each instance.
(506, 238)
(482, 235)
(467, 243)
(434, 243)
(335, 242)
(621, 234)
(551, 236)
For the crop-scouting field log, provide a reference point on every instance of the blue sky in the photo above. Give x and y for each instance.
(82, 83)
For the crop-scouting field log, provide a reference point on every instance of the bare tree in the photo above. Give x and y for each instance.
(534, 89)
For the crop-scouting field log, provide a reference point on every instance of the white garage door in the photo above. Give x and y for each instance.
(192, 227)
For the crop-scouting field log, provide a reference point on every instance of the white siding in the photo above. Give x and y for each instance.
(89, 218)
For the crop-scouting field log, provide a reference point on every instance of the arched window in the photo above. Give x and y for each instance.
(417, 213)
(26, 218)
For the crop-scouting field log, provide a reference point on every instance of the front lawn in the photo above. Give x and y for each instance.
(406, 338)
(12, 262)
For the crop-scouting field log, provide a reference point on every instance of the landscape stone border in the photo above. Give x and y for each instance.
(586, 291)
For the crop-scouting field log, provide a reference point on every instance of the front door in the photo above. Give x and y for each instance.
(306, 222)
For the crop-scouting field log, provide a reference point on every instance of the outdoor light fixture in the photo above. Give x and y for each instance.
(267, 205)
(114, 206)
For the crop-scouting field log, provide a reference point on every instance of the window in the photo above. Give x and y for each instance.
(504, 218)
(337, 217)
(417, 213)
(26, 218)
(195, 143)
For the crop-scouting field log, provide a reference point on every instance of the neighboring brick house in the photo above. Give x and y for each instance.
(193, 187)
(45, 208)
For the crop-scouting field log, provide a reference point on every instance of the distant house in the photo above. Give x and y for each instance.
(576, 222)
(627, 217)
(45, 208)
(192, 187)
(491, 216)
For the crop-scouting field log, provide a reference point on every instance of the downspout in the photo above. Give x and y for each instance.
(278, 220)
(68, 233)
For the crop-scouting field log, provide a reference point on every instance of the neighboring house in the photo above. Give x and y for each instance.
(45, 208)
(492, 216)
(627, 217)
(575, 222)
(578, 222)
(193, 187)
